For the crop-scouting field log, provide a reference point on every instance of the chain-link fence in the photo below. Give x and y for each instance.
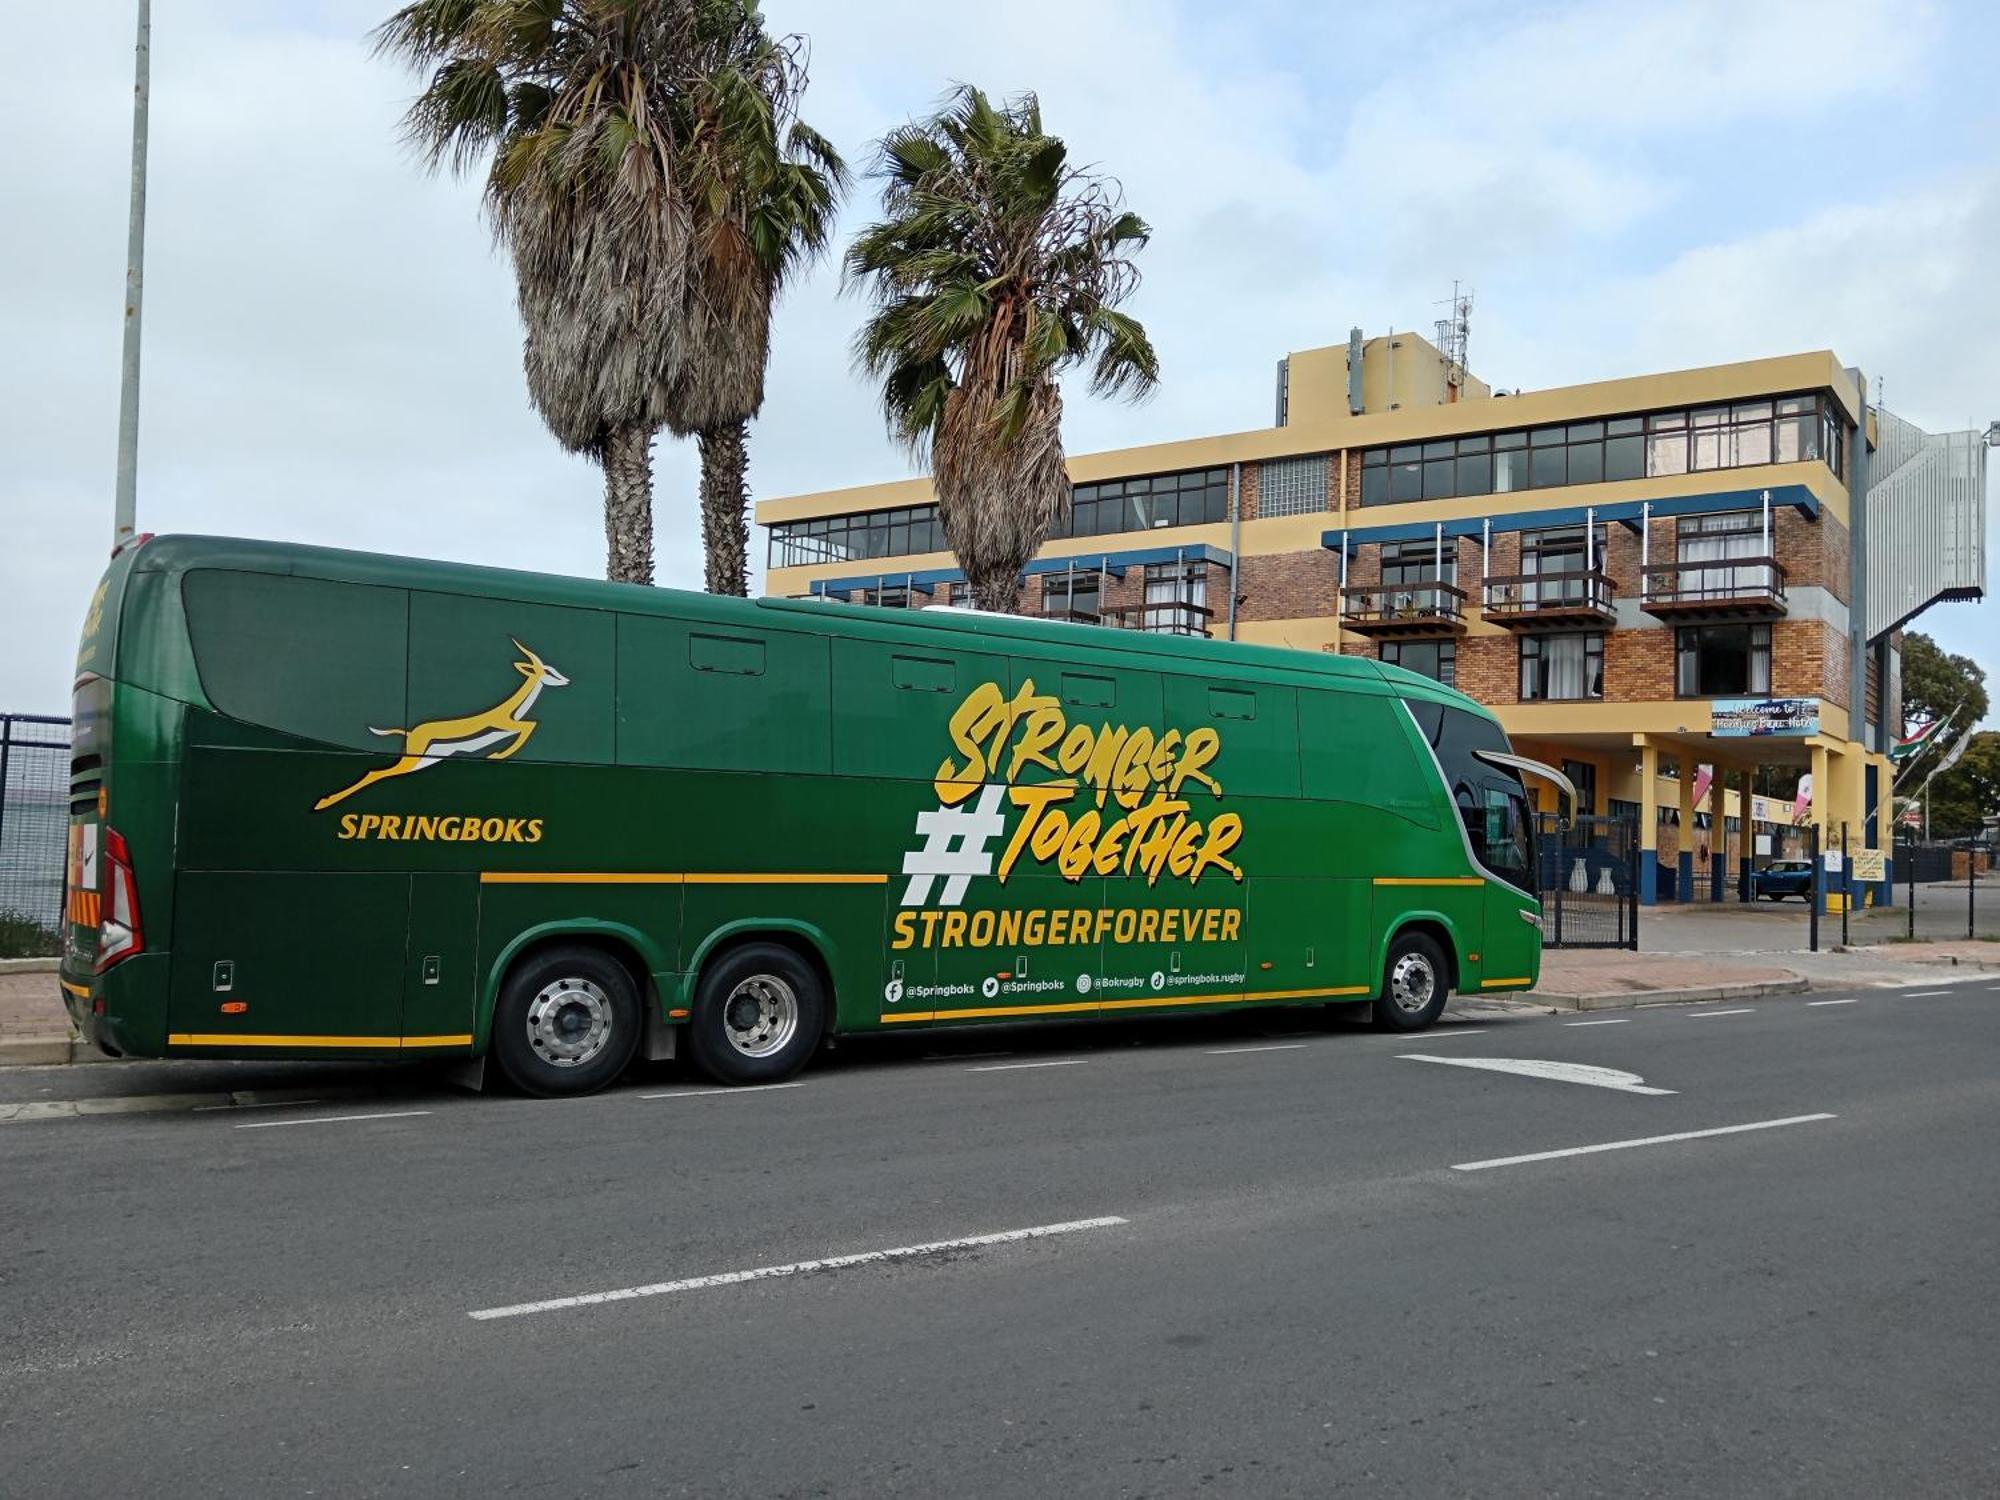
(34, 817)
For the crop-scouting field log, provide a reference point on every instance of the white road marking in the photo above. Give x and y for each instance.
(1924, 994)
(1833, 1002)
(758, 1088)
(1646, 1140)
(1067, 1062)
(202, 1109)
(1700, 1015)
(798, 1267)
(1439, 1033)
(1618, 1021)
(1555, 1072)
(392, 1114)
(1271, 1047)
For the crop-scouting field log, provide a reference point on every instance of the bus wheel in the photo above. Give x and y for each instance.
(758, 1014)
(567, 1022)
(1414, 988)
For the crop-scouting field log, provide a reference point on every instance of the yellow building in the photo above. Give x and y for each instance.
(1660, 583)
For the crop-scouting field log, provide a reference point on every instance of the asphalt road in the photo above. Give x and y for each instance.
(1265, 1271)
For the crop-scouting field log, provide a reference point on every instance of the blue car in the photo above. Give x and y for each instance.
(1782, 878)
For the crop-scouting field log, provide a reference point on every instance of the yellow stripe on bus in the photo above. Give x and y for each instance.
(614, 877)
(1143, 1002)
(233, 1039)
(1494, 984)
(1430, 880)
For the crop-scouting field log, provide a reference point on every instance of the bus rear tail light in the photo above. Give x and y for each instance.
(120, 934)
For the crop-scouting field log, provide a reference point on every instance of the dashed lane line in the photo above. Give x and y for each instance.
(798, 1268)
(1067, 1062)
(1924, 994)
(1616, 1021)
(1707, 1015)
(388, 1114)
(1833, 1002)
(732, 1093)
(1267, 1047)
(1644, 1140)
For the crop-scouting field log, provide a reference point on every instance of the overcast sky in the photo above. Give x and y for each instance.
(332, 355)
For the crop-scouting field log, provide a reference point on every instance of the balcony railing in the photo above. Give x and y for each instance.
(1404, 609)
(1174, 617)
(1742, 588)
(1528, 601)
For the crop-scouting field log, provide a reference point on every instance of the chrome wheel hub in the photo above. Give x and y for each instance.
(569, 1021)
(1412, 983)
(761, 1015)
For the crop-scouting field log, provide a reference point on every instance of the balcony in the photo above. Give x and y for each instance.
(1404, 610)
(1740, 588)
(1571, 600)
(1174, 617)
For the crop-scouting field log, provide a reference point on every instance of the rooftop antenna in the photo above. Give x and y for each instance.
(1453, 333)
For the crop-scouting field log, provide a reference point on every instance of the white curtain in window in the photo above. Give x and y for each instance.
(1567, 665)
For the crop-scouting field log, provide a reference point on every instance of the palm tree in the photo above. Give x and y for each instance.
(996, 267)
(630, 139)
(764, 188)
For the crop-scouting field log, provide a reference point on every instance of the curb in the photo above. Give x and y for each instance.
(48, 1052)
(1634, 999)
(29, 965)
(1887, 953)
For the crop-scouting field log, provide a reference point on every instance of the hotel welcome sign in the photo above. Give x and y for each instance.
(1758, 718)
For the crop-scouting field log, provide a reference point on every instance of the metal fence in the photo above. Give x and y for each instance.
(34, 817)
(1589, 882)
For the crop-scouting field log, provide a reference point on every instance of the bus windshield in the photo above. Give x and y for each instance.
(1492, 804)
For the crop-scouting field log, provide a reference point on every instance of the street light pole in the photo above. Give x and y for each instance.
(125, 514)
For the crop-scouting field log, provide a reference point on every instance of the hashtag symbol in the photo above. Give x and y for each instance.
(955, 847)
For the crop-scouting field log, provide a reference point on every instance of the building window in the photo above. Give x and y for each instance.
(1193, 498)
(1437, 660)
(1407, 563)
(1790, 429)
(1723, 661)
(1176, 595)
(1072, 596)
(874, 533)
(891, 596)
(1582, 775)
(1292, 486)
(1560, 668)
(1555, 563)
(1721, 538)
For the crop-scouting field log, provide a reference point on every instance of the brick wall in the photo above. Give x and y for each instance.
(1638, 665)
(1809, 660)
(1246, 493)
(1290, 585)
(1814, 554)
(1489, 668)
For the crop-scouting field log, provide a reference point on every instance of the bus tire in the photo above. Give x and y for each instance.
(759, 1012)
(1415, 984)
(567, 1021)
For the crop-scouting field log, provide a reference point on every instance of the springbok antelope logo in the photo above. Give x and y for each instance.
(426, 744)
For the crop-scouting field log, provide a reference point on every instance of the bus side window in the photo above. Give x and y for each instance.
(1359, 748)
(1257, 724)
(303, 656)
(487, 660)
(896, 705)
(710, 701)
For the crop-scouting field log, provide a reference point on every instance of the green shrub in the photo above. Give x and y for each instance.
(21, 936)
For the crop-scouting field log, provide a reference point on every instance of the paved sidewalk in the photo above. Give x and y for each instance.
(1613, 979)
(34, 1027)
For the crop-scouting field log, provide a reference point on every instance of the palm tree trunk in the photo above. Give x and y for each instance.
(628, 505)
(997, 589)
(725, 499)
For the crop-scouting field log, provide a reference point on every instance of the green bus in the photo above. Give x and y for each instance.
(325, 803)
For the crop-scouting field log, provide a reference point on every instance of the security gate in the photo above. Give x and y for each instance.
(1589, 885)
